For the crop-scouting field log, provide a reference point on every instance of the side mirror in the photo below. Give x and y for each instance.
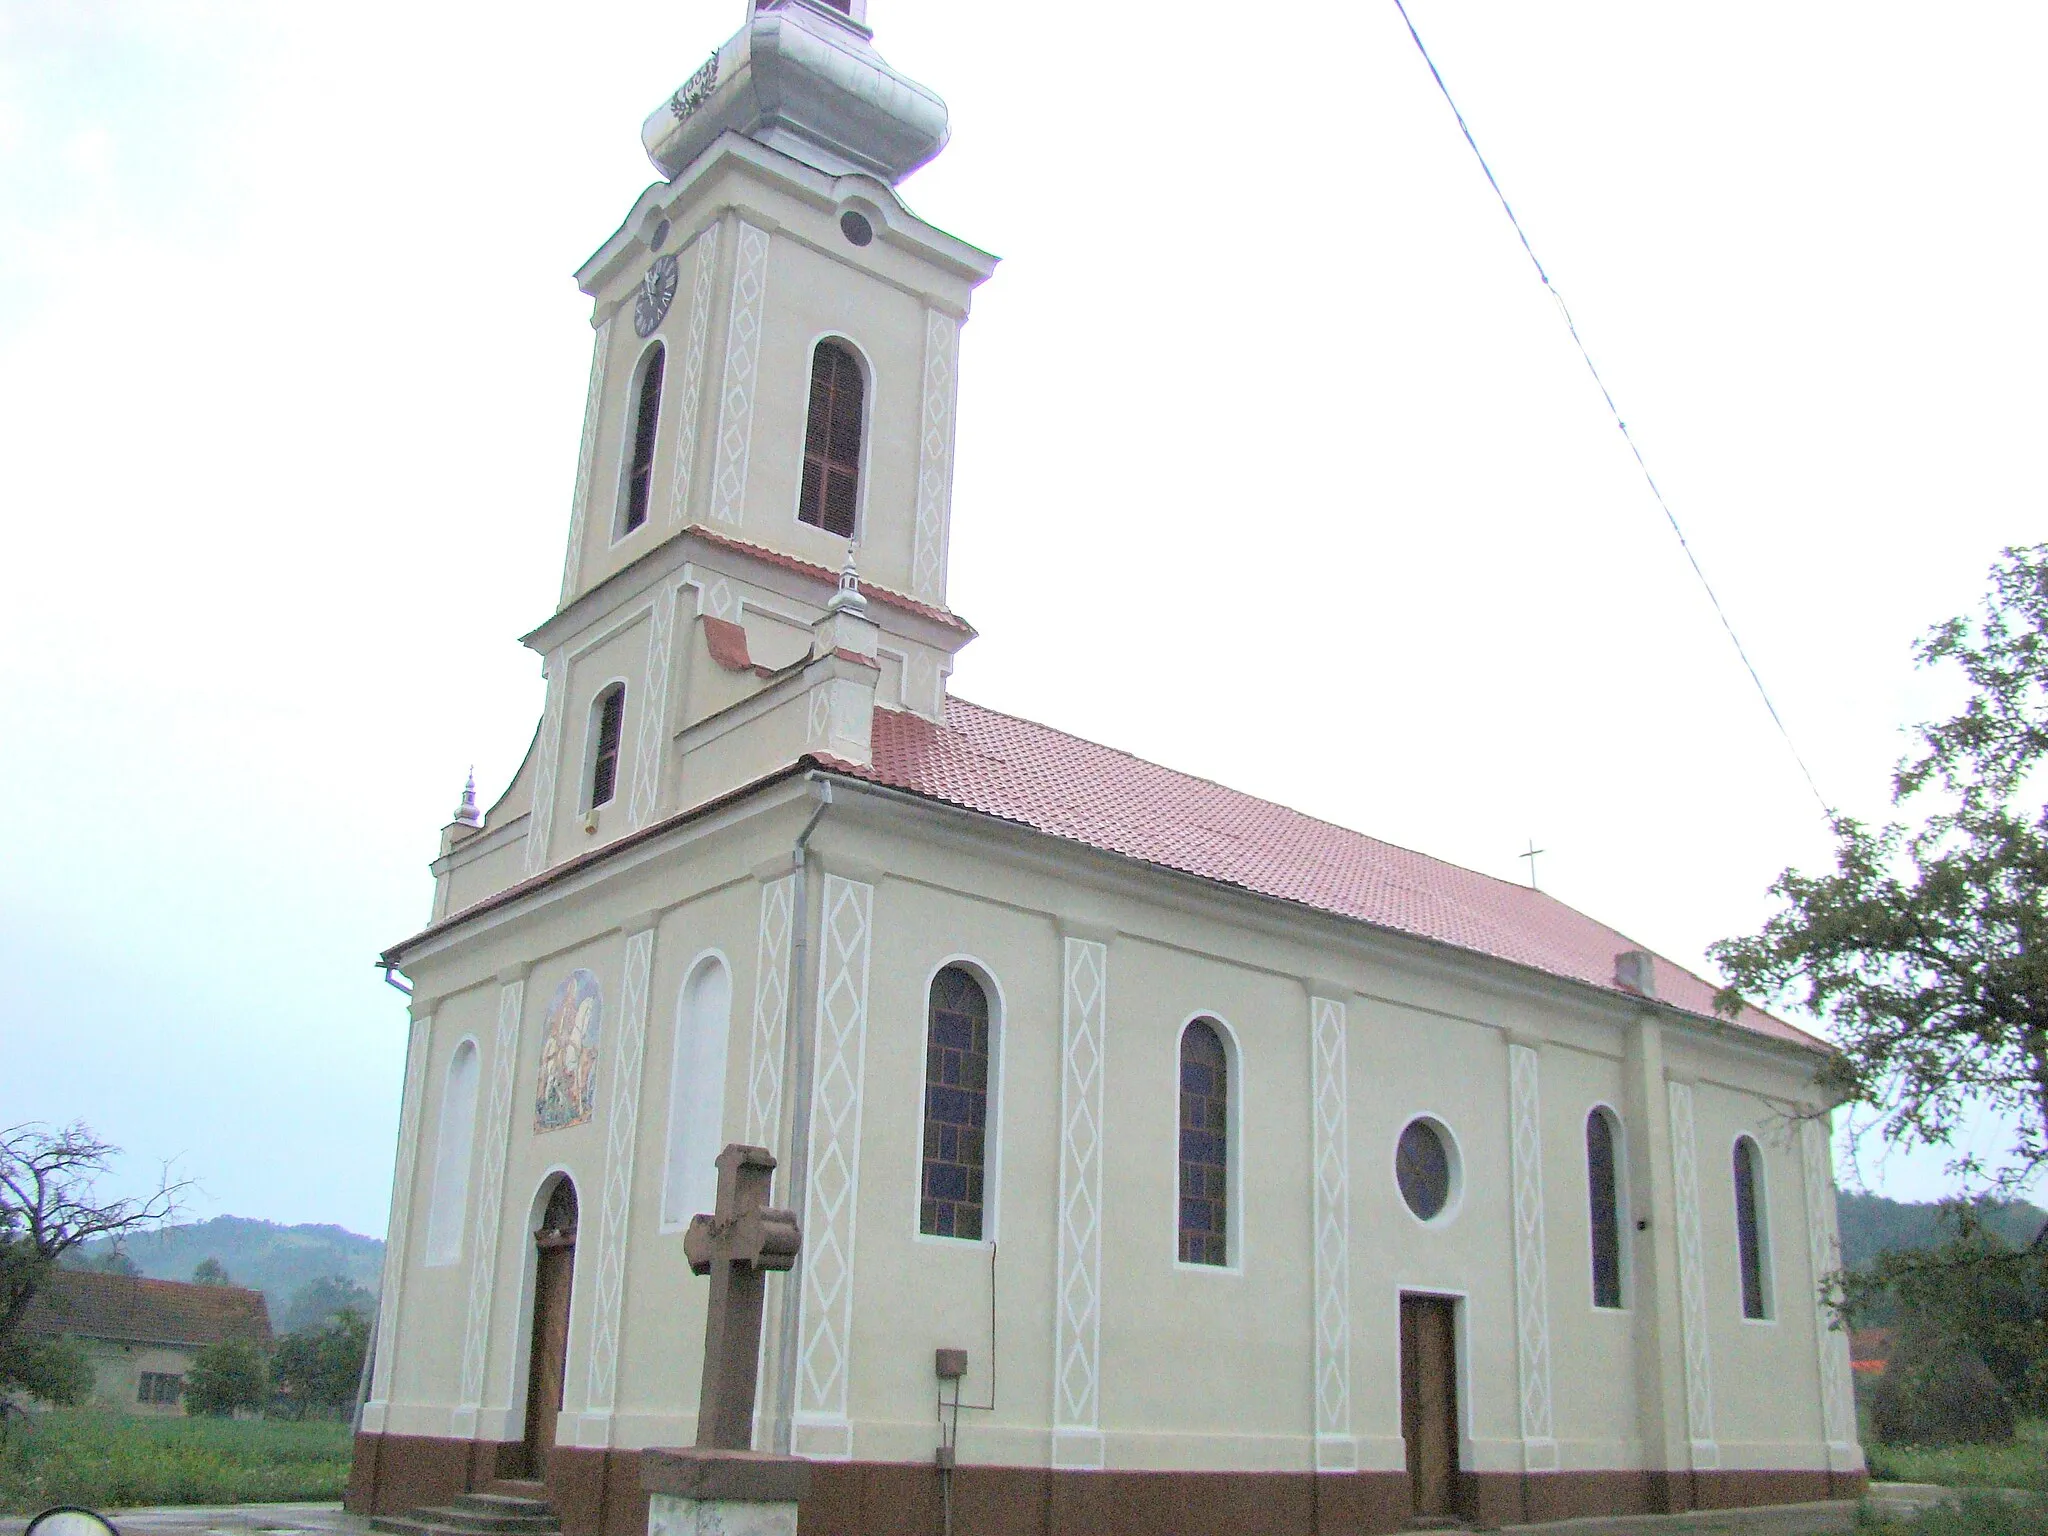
(65, 1520)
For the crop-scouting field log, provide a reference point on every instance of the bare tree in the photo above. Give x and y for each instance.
(49, 1204)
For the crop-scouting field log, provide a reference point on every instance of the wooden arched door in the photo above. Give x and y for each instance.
(553, 1278)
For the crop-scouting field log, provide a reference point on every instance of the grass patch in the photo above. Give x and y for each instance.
(113, 1461)
(1977, 1514)
(2023, 1464)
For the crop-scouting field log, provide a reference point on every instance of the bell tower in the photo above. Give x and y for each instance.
(758, 533)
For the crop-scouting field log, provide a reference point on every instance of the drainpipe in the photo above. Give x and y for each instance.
(796, 1187)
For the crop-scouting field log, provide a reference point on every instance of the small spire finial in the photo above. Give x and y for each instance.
(848, 598)
(467, 813)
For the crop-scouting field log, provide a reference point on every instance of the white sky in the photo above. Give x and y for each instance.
(1276, 464)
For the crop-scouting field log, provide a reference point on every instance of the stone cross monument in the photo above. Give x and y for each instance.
(722, 1484)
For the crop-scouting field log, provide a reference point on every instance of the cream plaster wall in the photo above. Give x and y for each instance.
(1197, 1368)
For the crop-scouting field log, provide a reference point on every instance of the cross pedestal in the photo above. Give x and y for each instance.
(721, 1486)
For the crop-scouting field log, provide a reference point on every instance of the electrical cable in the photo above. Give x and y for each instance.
(1615, 411)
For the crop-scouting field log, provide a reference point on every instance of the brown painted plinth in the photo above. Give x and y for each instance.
(599, 1493)
(748, 1477)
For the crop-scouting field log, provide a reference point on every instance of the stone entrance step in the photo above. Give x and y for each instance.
(504, 1509)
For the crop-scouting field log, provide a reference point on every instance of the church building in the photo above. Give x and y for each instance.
(1269, 1178)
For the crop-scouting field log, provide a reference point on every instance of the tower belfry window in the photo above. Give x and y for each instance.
(646, 422)
(831, 490)
(607, 726)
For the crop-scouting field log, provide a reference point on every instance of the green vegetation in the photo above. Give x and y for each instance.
(317, 1370)
(2022, 1464)
(1873, 1226)
(1975, 1515)
(112, 1461)
(227, 1376)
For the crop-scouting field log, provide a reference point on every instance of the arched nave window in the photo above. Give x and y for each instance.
(1752, 1239)
(1603, 1183)
(1204, 1146)
(646, 423)
(452, 1156)
(607, 725)
(831, 491)
(952, 1196)
(696, 1093)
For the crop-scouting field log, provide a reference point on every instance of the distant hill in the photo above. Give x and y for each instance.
(1872, 1225)
(278, 1261)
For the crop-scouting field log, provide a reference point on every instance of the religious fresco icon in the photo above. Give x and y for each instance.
(568, 1054)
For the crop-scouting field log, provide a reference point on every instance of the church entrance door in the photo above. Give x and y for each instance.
(1429, 1402)
(554, 1272)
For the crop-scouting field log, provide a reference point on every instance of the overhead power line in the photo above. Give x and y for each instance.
(1614, 410)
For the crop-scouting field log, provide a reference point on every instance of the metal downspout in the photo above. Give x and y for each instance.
(796, 1188)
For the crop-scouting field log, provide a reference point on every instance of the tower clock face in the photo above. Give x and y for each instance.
(656, 289)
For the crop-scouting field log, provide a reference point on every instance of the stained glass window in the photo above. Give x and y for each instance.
(956, 1076)
(1204, 1146)
(1606, 1212)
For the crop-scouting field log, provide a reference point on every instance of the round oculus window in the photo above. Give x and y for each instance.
(856, 228)
(1422, 1167)
(660, 236)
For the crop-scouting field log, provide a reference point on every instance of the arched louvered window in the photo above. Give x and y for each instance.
(1752, 1250)
(1603, 1183)
(953, 1195)
(646, 423)
(1204, 1146)
(607, 724)
(831, 491)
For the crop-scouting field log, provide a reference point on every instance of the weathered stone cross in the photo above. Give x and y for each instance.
(736, 1246)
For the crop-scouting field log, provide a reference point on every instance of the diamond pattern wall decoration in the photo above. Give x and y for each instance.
(1532, 1260)
(742, 363)
(540, 816)
(691, 393)
(586, 454)
(771, 1014)
(1077, 1304)
(839, 1064)
(401, 1219)
(1692, 1283)
(935, 457)
(1824, 1251)
(653, 727)
(622, 1125)
(1336, 1451)
(490, 1200)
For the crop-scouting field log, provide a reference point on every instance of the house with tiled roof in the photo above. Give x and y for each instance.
(1335, 1187)
(141, 1335)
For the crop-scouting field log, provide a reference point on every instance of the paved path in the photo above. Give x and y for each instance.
(224, 1520)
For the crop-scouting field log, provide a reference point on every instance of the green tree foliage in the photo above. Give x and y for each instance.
(317, 1369)
(313, 1304)
(210, 1271)
(1937, 1391)
(226, 1376)
(1925, 948)
(49, 1205)
(113, 1261)
(56, 1372)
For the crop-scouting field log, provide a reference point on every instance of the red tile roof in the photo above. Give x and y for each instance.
(1027, 773)
(99, 1306)
(776, 557)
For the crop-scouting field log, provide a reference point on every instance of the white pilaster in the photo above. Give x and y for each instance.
(1692, 1283)
(1336, 1449)
(586, 454)
(1824, 1250)
(622, 1125)
(935, 456)
(824, 1358)
(690, 395)
(653, 728)
(377, 1408)
(1532, 1261)
(490, 1214)
(768, 1041)
(742, 365)
(1077, 1309)
(540, 816)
